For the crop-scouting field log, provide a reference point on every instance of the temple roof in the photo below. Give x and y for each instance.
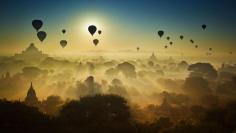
(31, 91)
(32, 49)
(31, 98)
(153, 57)
(31, 52)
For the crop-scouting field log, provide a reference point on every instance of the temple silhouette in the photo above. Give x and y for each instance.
(31, 53)
(31, 98)
(153, 57)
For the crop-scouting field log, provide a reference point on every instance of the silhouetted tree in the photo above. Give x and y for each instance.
(52, 105)
(162, 124)
(98, 113)
(88, 87)
(17, 117)
(127, 69)
(117, 88)
(196, 86)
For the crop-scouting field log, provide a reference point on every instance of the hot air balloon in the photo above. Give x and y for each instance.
(171, 43)
(191, 41)
(95, 42)
(99, 32)
(92, 29)
(166, 46)
(42, 35)
(160, 33)
(137, 48)
(210, 49)
(63, 31)
(204, 26)
(63, 43)
(37, 24)
(196, 46)
(181, 37)
(168, 38)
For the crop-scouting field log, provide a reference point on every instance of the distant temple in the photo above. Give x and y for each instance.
(5, 79)
(6, 76)
(31, 53)
(153, 57)
(31, 98)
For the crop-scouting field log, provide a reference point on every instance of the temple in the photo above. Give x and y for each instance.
(153, 57)
(31, 53)
(31, 98)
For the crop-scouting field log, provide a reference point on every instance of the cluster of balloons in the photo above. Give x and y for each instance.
(37, 24)
(161, 34)
(92, 30)
(63, 43)
(192, 41)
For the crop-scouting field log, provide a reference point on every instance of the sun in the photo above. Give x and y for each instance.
(83, 21)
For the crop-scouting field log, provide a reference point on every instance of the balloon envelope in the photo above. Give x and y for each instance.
(37, 24)
(171, 43)
(63, 31)
(95, 42)
(191, 41)
(41, 35)
(181, 37)
(99, 32)
(196, 46)
(168, 38)
(92, 29)
(204, 26)
(63, 43)
(160, 33)
(166, 46)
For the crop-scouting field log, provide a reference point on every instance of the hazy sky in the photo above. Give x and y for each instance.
(126, 24)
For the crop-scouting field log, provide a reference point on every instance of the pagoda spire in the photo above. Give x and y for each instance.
(31, 98)
(31, 85)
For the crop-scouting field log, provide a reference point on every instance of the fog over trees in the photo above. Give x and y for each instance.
(100, 94)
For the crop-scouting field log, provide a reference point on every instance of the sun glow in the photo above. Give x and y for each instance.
(86, 24)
